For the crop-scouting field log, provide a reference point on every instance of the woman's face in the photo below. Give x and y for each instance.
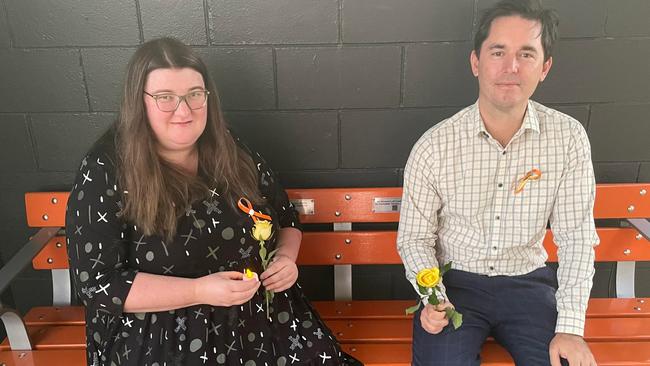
(176, 130)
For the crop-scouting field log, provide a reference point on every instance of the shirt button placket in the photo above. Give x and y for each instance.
(499, 202)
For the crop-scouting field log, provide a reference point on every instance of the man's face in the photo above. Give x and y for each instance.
(511, 62)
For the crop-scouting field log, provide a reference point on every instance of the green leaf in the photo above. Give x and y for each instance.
(423, 290)
(433, 299)
(413, 309)
(263, 252)
(445, 268)
(455, 317)
(272, 253)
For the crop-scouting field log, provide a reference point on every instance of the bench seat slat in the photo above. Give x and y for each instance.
(400, 330)
(55, 315)
(54, 337)
(75, 357)
(606, 354)
(361, 331)
(394, 309)
(358, 309)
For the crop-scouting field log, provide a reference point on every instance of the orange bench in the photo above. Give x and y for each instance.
(377, 332)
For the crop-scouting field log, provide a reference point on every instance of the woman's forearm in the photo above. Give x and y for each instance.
(289, 242)
(151, 292)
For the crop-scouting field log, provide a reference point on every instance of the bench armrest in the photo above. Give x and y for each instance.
(642, 226)
(14, 325)
(16, 330)
(24, 256)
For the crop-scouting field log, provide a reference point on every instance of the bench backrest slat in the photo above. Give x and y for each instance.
(357, 204)
(378, 247)
(374, 205)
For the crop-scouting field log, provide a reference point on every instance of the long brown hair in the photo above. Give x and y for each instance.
(158, 192)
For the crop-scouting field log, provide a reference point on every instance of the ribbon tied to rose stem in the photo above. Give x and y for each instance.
(534, 174)
(262, 231)
(246, 206)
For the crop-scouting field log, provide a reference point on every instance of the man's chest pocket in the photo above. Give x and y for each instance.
(532, 199)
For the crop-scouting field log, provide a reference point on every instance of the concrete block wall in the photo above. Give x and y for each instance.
(333, 92)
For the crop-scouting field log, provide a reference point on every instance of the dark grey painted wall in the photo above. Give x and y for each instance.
(333, 92)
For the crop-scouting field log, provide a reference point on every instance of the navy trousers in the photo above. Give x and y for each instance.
(518, 311)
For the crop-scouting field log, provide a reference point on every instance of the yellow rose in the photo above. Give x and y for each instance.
(429, 277)
(262, 230)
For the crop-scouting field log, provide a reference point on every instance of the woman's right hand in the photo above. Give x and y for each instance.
(224, 289)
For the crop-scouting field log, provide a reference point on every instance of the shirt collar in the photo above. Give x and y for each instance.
(476, 125)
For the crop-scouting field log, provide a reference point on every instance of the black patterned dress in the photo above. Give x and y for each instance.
(106, 253)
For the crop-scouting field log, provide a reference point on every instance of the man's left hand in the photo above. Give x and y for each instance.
(571, 347)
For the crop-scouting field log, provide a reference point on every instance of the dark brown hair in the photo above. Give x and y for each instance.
(159, 192)
(527, 9)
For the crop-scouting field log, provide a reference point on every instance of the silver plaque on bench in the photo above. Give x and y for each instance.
(386, 204)
(304, 206)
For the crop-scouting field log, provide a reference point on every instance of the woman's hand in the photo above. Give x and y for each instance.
(224, 289)
(281, 274)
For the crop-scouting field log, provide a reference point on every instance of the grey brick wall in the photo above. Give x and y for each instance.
(332, 92)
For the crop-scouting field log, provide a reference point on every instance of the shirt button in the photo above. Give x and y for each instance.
(491, 268)
(503, 153)
(500, 185)
(498, 217)
(494, 248)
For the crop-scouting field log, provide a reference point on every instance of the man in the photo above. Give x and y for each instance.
(479, 190)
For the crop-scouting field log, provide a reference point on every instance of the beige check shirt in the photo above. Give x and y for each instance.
(459, 203)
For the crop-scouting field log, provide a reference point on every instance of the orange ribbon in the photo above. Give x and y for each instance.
(246, 206)
(534, 174)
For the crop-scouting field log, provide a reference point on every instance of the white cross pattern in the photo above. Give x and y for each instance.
(128, 322)
(294, 358)
(86, 178)
(245, 253)
(295, 342)
(181, 324)
(215, 328)
(126, 352)
(212, 207)
(103, 289)
(102, 217)
(324, 356)
(212, 253)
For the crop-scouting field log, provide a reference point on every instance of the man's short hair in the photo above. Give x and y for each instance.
(527, 9)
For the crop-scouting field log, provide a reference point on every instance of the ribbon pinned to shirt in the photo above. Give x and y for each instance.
(534, 174)
(246, 206)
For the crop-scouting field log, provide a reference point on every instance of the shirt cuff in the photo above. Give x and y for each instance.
(570, 322)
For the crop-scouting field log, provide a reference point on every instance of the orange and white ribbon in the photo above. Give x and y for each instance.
(246, 206)
(534, 174)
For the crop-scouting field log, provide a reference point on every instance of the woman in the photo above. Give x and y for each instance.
(165, 215)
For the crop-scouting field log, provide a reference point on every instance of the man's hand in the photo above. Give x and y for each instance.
(433, 317)
(571, 347)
